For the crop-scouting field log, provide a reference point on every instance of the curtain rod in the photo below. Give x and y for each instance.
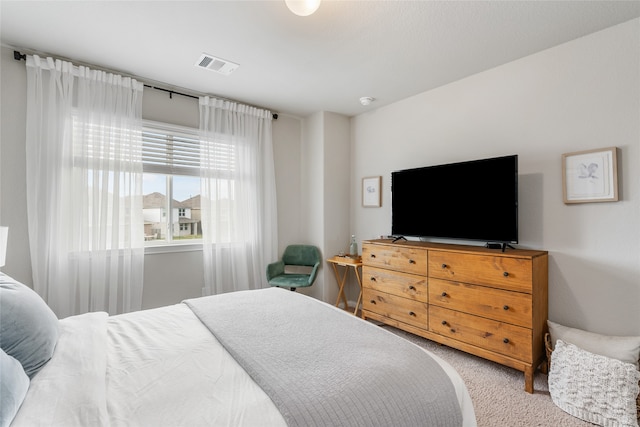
(23, 56)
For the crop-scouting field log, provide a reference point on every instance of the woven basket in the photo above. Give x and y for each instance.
(548, 347)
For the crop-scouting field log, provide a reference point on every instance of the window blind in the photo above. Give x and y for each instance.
(170, 151)
(176, 151)
(97, 146)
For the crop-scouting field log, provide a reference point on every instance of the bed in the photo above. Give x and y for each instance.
(268, 357)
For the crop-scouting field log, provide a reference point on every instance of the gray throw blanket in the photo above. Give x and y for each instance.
(324, 367)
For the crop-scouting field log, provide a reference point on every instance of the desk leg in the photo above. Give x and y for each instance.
(341, 283)
(359, 277)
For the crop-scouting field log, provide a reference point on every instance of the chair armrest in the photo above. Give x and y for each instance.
(314, 272)
(275, 269)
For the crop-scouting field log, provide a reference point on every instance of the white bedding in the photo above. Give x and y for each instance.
(159, 367)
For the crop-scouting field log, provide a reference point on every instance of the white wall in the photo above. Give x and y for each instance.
(13, 199)
(311, 186)
(581, 95)
(287, 134)
(336, 196)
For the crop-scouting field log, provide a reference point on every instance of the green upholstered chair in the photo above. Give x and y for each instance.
(297, 268)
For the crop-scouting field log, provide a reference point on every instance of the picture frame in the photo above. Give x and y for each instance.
(590, 176)
(371, 195)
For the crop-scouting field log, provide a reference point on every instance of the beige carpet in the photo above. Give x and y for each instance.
(498, 392)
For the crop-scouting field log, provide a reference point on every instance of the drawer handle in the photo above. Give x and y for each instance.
(444, 294)
(444, 322)
(373, 255)
(373, 301)
(505, 307)
(411, 261)
(412, 288)
(505, 274)
(373, 279)
(411, 313)
(444, 265)
(506, 340)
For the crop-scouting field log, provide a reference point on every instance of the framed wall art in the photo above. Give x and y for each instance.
(590, 176)
(371, 195)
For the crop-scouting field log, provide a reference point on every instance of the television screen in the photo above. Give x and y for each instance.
(473, 200)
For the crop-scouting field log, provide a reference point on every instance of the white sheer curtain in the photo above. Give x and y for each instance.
(239, 214)
(84, 187)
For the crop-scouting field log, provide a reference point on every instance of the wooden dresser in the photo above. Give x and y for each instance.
(482, 301)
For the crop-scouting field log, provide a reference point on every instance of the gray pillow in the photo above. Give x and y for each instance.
(14, 384)
(28, 328)
(625, 349)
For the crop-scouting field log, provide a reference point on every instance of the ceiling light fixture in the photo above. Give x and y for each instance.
(366, 100)
(303, 7)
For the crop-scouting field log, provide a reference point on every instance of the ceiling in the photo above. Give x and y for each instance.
(388, 50)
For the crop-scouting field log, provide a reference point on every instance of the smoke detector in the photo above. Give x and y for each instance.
(366, 100)
(219, 65)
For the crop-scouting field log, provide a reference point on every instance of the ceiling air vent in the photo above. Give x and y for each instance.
(211, 63)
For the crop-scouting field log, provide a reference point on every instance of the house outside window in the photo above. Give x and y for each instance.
(171, 184)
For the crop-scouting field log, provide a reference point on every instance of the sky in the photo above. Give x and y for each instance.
(184, 187)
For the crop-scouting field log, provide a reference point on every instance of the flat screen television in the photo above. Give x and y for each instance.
(473, 200)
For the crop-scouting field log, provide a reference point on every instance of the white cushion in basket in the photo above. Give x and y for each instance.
(595, 388)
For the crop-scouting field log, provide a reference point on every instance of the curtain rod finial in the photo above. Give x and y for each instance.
(18, 56)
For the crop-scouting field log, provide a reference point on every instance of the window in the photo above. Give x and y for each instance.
(104, 178)
(171, 184)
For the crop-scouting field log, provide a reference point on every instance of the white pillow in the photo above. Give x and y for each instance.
(625, 349)
(594, 388)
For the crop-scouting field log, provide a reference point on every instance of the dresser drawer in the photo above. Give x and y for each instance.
(409, 260)
(497, 271)
(496, 304)
(509, 340)
(396, 283)
(401, 309)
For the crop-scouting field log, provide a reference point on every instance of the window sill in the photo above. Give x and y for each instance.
(172, 247)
